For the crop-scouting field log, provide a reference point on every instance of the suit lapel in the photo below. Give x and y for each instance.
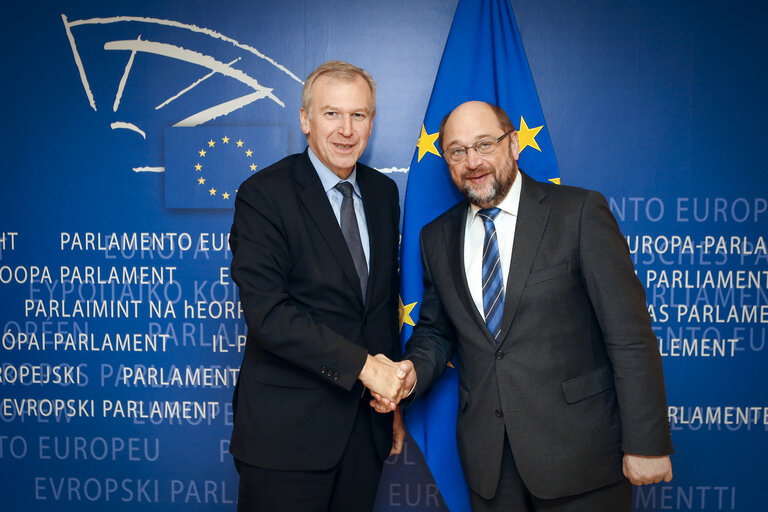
(313, 197)
(454, 231)
(531, 221)
(375, 231)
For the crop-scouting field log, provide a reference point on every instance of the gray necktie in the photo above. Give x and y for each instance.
(352, 233)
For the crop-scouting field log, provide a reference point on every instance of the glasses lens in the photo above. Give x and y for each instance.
(485, 147)
(456, 154)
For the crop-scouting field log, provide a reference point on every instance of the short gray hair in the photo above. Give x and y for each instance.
(338, 70)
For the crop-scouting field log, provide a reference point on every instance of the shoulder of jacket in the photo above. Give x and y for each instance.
(375, 176)
(280, 171)
(453, 214)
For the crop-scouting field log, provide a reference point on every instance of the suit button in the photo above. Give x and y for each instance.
(499, 413)
(336, 376)
(499, 354)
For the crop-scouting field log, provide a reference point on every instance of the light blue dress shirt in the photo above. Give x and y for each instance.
(329, 180)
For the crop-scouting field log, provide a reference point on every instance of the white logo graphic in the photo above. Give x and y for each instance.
(179, 53)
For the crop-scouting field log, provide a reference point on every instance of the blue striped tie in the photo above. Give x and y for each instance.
(493, 283)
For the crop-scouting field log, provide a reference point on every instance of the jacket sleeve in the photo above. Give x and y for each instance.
(261, 267)
(433, 341)
(618, 299)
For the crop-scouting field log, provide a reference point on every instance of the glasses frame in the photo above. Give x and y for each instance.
(474, 146)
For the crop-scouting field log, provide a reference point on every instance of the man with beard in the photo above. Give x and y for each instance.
(561, 393)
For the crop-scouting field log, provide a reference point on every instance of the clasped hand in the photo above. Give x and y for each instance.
(644, 470)
(389, 382)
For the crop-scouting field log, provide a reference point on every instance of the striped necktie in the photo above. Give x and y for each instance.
(493, 282)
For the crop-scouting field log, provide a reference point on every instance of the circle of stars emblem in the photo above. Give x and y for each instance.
(210, 146)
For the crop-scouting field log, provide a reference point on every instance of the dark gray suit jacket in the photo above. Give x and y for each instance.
(309, 330)
(576, 380)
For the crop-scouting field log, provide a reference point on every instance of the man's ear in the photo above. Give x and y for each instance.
(514, 145)
(304, 120)
(370, 130)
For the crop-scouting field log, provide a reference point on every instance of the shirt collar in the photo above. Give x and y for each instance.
(511, 202)
(329, 178)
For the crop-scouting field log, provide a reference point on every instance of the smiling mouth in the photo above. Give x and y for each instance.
(343, 147)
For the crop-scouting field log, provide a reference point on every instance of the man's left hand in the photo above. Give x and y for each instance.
(644, 469)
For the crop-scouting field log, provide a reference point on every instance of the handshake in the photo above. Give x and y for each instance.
(389, 382)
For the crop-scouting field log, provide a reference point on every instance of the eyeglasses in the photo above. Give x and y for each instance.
(457, 154)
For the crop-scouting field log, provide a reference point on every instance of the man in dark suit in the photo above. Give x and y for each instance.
(314, 254)
(561, 392)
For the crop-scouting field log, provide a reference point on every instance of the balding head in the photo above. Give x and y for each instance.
(483, 163)
(471, 108)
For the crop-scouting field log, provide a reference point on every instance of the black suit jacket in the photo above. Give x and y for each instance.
(309, 329)
(576, 380)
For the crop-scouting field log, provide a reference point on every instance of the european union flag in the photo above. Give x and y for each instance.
(205, 165)
(483, 60)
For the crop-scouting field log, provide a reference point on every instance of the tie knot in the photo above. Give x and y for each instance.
(489, 213)
(345, 188)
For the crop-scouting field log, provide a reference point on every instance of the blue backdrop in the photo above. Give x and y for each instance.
(121, 330)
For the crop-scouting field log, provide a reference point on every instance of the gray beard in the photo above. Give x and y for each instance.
(486, 200)
(495, 194)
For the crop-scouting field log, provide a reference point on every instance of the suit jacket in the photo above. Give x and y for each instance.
(309, 329)
(575, 380)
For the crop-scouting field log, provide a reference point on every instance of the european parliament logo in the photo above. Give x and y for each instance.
(143, 74)
(205, 165)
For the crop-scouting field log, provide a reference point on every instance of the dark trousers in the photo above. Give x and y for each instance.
(349, 486)
(513, 496)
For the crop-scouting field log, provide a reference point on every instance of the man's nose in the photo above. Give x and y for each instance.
(473, 158)
(346, 126)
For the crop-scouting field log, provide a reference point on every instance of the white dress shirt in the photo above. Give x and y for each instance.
(474, 237)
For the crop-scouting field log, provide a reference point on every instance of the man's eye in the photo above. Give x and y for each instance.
(457, 151)
(359, 116)
(484, 144)
(331, 114)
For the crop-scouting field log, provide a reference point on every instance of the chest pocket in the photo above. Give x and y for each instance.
(545, 274)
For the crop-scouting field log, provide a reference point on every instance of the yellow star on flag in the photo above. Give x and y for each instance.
(404, 312)
(198, 167)
(527, 136)
(202, 152)
(249, 153)
(239, 143)
(201, 181)
(211, 143)
(225, 140)
(556, 181)
(253, 167)
(212, 191)
(225, 195)
(426, 143)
